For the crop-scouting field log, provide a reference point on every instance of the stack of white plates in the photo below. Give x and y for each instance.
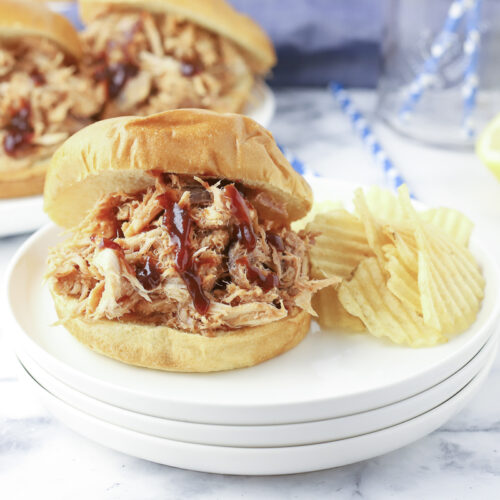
(335, 399)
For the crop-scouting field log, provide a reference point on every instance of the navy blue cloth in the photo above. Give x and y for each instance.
(322, 40)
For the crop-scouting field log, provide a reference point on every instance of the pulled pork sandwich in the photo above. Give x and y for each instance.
(181, 256)
(157, 55)
(42, 98)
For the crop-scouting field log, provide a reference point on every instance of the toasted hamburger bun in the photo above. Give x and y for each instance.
(217, 16)
(114, 155)
(21, 18)
(168, 349)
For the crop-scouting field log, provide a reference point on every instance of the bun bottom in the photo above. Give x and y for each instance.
(25, 182)
(164, 348)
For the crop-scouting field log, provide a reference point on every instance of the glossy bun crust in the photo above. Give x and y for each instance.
(21, 18)
(164, 348)
(114, 155)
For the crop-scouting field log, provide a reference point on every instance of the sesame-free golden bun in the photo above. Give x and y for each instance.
(117, 154)
(164, 348)
(217, 16)
(21, 18)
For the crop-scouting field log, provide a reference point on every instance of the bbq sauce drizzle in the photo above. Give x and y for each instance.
(179, 225)
(146, 272)
(265, 280)
(19, 130)
(246, 235)
(115, 76)
(239, 208)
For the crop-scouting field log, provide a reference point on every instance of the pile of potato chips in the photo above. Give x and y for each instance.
(406, 275)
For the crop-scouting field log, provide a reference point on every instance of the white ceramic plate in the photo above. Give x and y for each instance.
(262, 104)
(24, 215)
(21, 215)
(266, 435)
(330, 374)
(258, 461)
(326, 376)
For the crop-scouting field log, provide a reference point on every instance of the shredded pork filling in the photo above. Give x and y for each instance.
(43, 100)
(187, 253)
(150, 63)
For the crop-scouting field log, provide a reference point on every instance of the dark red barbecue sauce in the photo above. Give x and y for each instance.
(266, 280)
(19, 130)
(115, 76)
(38, 78)
(239, 209)
(190, 69)
(147, 273)
(107, 243)
(275, 240)
(178, 223)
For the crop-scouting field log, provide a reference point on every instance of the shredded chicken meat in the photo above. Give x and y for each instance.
(150, 63)
(43, 100)
(188, 253)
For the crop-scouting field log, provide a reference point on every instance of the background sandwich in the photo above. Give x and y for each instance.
(42, 98)
(157, 55)
(182, 257)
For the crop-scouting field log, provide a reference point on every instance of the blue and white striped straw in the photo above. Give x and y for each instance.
(439, 47)
(298, 165)
(393, 177)
(471, 78)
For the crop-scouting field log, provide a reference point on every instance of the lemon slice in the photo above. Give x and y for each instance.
(488, 146)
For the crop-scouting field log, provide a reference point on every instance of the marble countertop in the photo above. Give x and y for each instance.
(40, 458)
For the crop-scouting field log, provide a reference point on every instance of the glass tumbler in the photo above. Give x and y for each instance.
(440, 116)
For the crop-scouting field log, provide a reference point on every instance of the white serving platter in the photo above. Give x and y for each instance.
(24, 215)
(258, 461)
(330, 374)
(266, 435)
(21, 215)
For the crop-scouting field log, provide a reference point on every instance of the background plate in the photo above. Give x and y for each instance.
(21, 215)
(330, 374)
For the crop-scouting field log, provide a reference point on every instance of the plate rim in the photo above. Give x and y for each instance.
(88, 404)
(407, 432)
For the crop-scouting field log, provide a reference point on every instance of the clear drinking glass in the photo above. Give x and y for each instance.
(437, 118)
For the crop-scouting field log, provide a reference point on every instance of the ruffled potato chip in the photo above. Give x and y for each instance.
(331, 313)
(339, 246)
(452, 222)
(406, 275)
(367, 296)
(450, 282)
(317, 208)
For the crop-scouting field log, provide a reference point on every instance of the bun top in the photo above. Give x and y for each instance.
(214, 15)
(114, 155)
(20, 18)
